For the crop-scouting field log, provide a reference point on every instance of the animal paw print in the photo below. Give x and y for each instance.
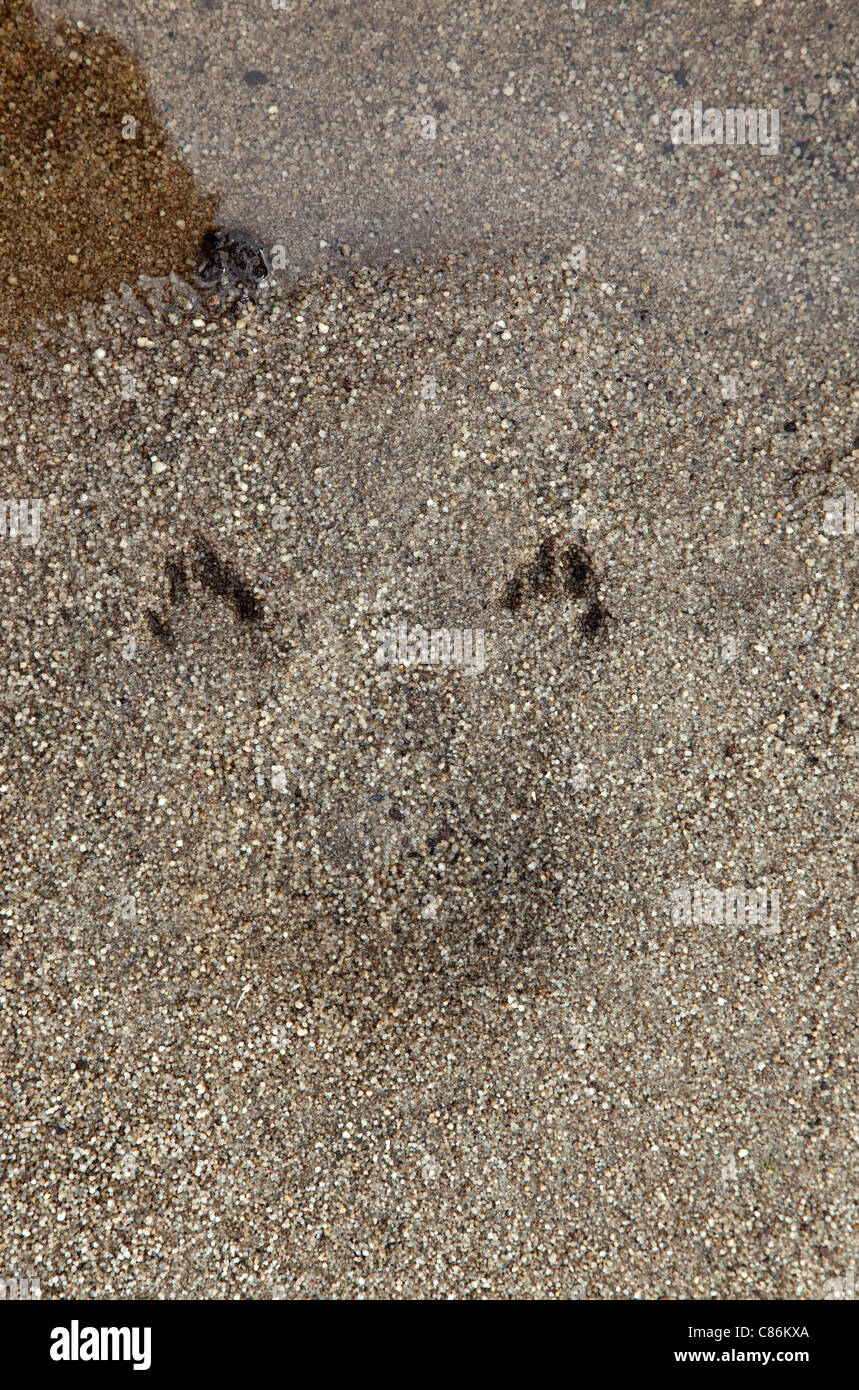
(213, 574)
(569, 574)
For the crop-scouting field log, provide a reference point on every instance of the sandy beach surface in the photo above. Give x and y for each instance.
(410, 661)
